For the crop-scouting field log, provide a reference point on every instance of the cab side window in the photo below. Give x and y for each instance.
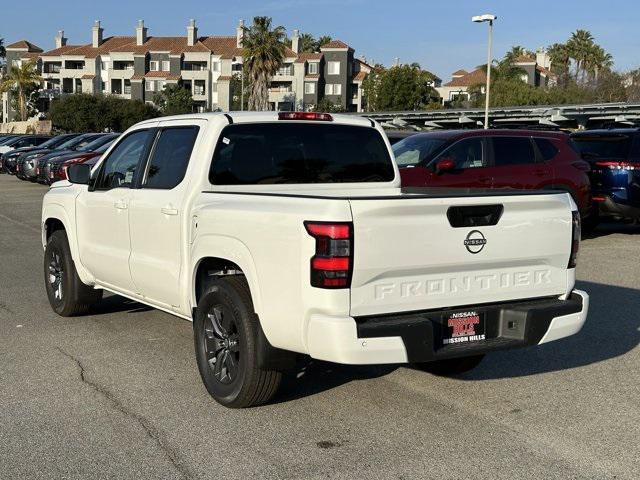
(466, 153)
(119, 169)
(513, 151)
(170, 157)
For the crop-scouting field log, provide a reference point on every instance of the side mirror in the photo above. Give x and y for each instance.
(445, 165)
(79, 173)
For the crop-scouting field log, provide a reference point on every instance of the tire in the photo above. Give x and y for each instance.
(451, 366)
(226, 333)
(68, 296)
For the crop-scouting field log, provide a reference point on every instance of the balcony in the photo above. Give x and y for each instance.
(73, 65)
(52, 67)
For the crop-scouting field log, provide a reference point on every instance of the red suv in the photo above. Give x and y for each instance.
(525, 159)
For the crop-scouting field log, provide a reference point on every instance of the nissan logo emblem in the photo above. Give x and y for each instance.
(475, 241)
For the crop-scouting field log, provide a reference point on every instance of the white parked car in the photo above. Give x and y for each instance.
(284, 234)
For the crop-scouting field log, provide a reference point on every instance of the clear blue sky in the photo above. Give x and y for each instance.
(437, 34)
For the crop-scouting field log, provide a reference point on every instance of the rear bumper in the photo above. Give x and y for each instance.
(415, 337)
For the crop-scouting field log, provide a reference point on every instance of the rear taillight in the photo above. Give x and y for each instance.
(618, 165)
(313, 116)
(332, 264)
(576, 233)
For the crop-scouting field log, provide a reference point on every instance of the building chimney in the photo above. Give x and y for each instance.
(295, 41)
(60, 40)
(192, 33)
(239, 33)
(542, 58)
(141, 33)
(96, 34)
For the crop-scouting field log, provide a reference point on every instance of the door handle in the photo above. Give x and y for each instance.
(169, 210)
(120, 205)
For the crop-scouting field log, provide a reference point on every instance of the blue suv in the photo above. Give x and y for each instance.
(614, 157)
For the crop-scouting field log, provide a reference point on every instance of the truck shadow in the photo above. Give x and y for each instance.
(612, 227)
(612, 329)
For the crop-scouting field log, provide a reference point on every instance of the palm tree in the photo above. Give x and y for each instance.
(3, 51)
(516, 52)
(263, 53)
(21, 78)
(323, 40)
(307, 43)
(581, 46)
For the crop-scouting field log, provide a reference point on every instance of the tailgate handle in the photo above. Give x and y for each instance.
(474, 215)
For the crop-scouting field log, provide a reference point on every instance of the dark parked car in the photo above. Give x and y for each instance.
(522, 159)
(20, 141)
(46, 164)
(9, 159)
(614, 156)
(56, 170)
(27, 165)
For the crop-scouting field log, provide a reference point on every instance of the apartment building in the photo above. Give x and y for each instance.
(140, 65)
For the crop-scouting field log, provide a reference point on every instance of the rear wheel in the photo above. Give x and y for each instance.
(226, 332)
(451, 366)
(68, 296)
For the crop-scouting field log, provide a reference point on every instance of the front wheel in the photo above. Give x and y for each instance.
(451, 366)
(68, 296)
(226, 332)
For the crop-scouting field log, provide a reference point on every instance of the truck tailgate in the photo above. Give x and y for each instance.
(408, 256)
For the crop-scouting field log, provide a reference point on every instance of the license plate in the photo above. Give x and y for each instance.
(463, 327)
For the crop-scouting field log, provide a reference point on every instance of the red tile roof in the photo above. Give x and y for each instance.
(224, 46)
(25, 44)
(472, 78)
(30, 55)
(173, 45)
(335, 44)
(305, 57)
(524, 59)
(60, 51)
(88, 76)
(360, 76)
(313, 76)
(109, 44)
(545, 71)
(459, 73)
(224, 78)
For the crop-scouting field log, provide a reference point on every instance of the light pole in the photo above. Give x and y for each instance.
(487, 17)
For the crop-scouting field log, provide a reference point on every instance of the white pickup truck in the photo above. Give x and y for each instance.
(280, 234)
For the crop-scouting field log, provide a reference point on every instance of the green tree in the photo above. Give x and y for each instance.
(97, 113)
(263, 53)
(236, 92)
(3, 51)
(20, 80)
(174, 100)
(404, 87)
(327, 106)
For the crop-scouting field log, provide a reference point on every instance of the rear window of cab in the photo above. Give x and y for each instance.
(299, 153)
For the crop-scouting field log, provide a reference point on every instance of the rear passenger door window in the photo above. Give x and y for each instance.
(508, 151)
(170, 158)
(546, 148)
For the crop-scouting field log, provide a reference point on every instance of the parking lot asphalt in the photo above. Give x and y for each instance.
(117, 394)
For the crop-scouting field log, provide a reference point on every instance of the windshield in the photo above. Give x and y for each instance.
(415, 149)
(94, 144)
(71, 143)
(54, 142)
(603, 146)
(298, 153)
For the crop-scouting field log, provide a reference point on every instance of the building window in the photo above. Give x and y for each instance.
(198, 87)
(332, 89)
(127, 87)
(333, 68)
(309, 87)
(166, 66)
(215, 66)
(154, 65)
(214, 88)
(313, 68)
(285, 69)
(150, 86)
(105, 65)
(103, 86)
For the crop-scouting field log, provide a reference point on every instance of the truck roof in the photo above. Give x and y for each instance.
(253, 117)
